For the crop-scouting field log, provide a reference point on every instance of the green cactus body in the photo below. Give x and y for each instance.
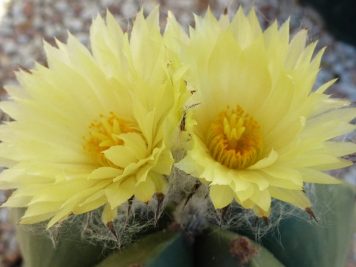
(70, 251)
(160, 249)
(299, 242)
(220, 248)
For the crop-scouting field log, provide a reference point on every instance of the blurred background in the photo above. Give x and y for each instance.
(25, 23)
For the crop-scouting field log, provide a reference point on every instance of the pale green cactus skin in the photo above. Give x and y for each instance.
(70, 251)
(301, 242)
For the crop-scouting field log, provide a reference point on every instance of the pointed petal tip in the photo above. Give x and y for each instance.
(265, 220)
(311, 214)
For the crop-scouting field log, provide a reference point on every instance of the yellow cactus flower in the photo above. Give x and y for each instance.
(93, 129)
(258, 130)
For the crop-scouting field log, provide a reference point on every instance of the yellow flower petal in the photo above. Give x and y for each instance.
(108, 214)
(221, 195)
(145, 190)
(317, 177)
(118, 193)
(104, 172)
(296, 198)
(265, 162)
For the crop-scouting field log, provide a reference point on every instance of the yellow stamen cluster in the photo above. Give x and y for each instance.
(105, 133)
(234, 139)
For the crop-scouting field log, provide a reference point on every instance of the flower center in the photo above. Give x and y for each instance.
(234, 139)
(105, 133)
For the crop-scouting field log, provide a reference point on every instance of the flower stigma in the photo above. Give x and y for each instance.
(234, 139)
